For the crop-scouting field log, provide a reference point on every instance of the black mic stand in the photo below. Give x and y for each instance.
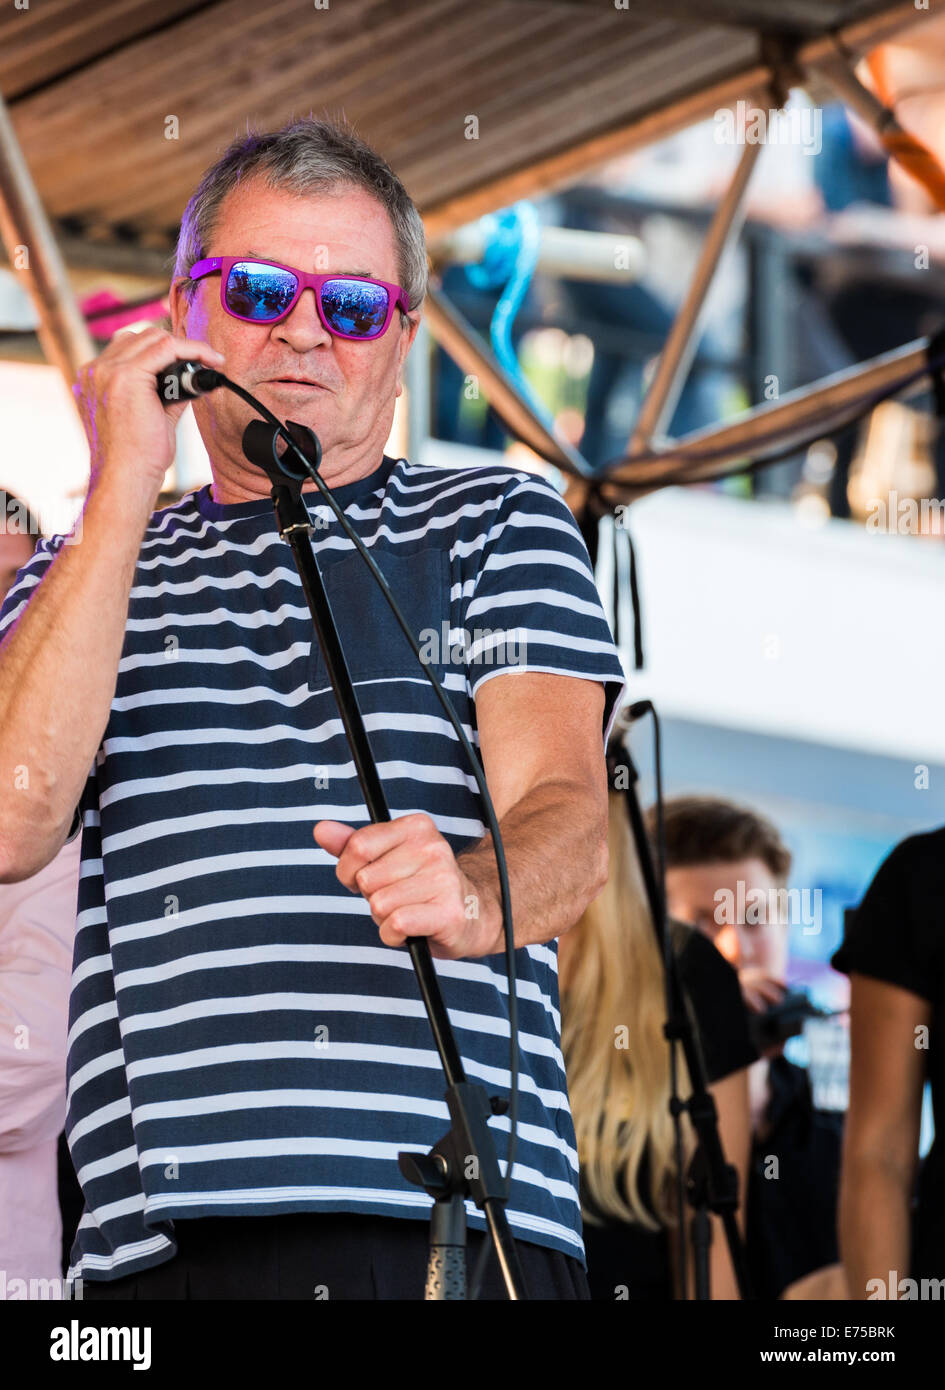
(711, 1182)
(464, 1162)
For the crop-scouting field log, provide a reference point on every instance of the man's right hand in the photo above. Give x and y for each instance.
(131, 432)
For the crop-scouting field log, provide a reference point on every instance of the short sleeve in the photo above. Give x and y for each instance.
(890, 935)
(717, 1004)
(534, 604)
(20, 592)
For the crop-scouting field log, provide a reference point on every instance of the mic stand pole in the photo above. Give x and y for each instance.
(468, 1146)
(711, 1182)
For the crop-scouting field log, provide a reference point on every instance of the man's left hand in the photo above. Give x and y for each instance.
(414, 885)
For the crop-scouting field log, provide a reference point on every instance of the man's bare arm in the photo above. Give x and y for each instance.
(881, 1135)
(57, 677)
(59, 661)
(541, 742)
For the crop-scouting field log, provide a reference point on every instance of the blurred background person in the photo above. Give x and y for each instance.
(617, 1058)
(892, 1209)
(40, 1200)
(720, 860)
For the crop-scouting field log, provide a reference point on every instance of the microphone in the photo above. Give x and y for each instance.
(785, 1019)
(185, 381)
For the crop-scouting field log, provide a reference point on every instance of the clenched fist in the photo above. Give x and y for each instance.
(414, 885)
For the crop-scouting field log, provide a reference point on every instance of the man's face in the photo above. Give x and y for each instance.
(15, 549)
(352, 405)
(702, 894)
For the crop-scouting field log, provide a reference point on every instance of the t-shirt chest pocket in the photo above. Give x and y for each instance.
(374, 645)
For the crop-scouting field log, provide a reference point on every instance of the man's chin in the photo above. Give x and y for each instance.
(306, 405)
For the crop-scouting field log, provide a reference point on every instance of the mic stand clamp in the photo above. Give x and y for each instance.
(461, 1164)
(464, 1162)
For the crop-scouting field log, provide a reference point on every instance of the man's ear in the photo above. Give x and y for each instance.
(179, 304)
(408, 331)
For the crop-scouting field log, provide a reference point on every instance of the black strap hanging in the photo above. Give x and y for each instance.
(589, 519)
(935, 358)
(638, 662)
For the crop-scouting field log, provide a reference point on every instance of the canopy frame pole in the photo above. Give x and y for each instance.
(472, 355)
(36, 260)
(910, 153)
(793, 415)
(672, 369)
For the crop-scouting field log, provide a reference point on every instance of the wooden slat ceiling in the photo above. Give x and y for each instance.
(799, 17)
(91, 87)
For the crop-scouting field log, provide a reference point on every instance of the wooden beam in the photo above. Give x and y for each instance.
(570, 163)
(36, 261)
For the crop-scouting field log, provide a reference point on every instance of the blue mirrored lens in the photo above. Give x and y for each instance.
(355, 307)
(260, 292)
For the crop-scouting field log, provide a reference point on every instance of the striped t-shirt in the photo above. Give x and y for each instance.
(240, 1040)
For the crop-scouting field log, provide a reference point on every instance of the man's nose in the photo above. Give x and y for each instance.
(302, 329)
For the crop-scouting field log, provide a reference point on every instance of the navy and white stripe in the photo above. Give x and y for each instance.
(239, 1039)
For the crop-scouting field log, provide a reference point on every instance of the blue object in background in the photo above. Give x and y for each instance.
(508, 265)
(844, 173)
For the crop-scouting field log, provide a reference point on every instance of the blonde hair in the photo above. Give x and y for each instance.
(616, 1054)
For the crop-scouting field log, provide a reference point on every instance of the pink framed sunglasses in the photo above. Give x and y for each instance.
(349, 306)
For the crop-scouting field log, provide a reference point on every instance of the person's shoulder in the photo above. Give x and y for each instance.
(499, 475)
(181, 516)
(493, 481)
(915, 852)
(184, 507)
(910, 868)
(28, 576)
(894, 934)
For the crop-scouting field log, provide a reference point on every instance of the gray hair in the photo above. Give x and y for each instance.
(307, 156)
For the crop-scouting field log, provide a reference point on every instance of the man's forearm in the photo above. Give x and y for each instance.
(555, 842)
(58, 666)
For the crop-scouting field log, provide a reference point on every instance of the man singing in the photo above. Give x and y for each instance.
(248, 1051)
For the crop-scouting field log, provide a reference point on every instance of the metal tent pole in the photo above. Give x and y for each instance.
(473, 355)
(36, 261)
(908, 151)
(660, 400)
(706, 453)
